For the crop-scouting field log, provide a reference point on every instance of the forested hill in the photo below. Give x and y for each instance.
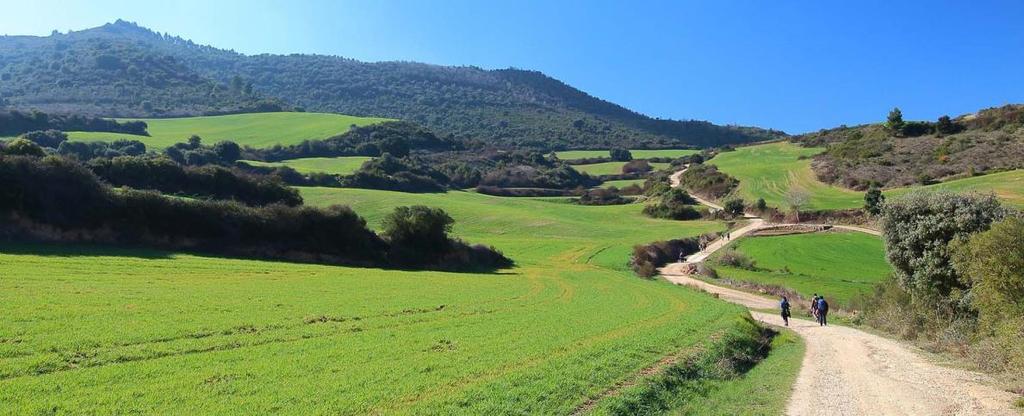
(126, 70)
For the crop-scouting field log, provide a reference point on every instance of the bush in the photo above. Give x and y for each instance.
(675, 204)
(22, 147)
(707, 181)
(419, 236)
(620, 155)
(734, 207)
(636, 166)
(647, 258)
(733, 258)
(47, 138)
(602, 196)
(918, 229)
(992, 263)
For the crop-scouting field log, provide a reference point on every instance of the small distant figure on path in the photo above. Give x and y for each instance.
(822, 312)
(728, 236)
(785, 310)
(814, 306)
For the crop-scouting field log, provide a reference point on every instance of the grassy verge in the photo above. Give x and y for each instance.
(743, 370)
(637, 154)
(611, 168)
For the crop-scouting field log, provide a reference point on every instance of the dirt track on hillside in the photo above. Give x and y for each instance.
(850, 372)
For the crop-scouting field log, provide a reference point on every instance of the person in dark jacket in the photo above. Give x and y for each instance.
(822, 311)
(785, 310)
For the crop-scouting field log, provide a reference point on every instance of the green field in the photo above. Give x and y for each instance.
(769, 171)
(623, 183)
(840, 265)
(637, 154)
(256, 129)
(99, 330)
(332, 165)
(611, 168)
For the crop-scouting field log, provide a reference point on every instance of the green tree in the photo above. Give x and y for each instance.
(22, 147)
(918, 230)
(620, 155)
(760, 205)
(734, 207)
(992, 263)
(945, 125)
(418, 227)
(873, 200)
(895, 121)
(227, 151)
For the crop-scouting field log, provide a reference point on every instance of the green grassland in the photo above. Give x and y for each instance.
(611, 168)
(255, 129)
(623, 183)
(840, 265)
(637, 154)
(769, 171)
(332, 165)
(101, 330)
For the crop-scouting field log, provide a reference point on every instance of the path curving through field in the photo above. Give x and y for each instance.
(850, 372)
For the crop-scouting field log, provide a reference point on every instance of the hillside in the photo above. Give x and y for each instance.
(121, 69)
(921, 152)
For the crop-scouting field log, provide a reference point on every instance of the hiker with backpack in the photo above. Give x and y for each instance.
(822, 312)
(785, 310)
(814, 306)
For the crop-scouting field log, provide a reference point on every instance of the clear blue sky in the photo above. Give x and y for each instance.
(793, 65)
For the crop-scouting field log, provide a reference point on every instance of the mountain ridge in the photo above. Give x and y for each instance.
(508, 106)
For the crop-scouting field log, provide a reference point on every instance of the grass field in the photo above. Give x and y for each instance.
(840, 265)
(333, 165)
(100, 330)
(611, 168)
(256, 129)
(623, 183)
(769, 171)
(637, 154)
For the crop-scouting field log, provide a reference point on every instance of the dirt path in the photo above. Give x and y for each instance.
(850, 372)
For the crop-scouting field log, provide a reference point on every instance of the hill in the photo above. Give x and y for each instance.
(121, 69)
(920, 152)
(253, 129)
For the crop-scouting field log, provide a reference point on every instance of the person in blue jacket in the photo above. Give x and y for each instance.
(785, 310)
(822, 311)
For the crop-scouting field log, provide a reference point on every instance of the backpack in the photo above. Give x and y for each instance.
(822, 305)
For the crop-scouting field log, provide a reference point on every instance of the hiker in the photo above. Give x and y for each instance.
(785, 310)
(814, 306)
(822, 312)
(728, 236)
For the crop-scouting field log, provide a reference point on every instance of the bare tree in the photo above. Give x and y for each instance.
(796, 198)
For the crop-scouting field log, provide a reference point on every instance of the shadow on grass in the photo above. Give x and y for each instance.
(69, 250)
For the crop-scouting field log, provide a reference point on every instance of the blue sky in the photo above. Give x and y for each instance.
(796, 66)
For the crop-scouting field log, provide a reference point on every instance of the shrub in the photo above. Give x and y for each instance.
(647, 258)
(918, 229)
(675, 204)
(636, 166)
(602, 196)
(873, 200)
(620, 155)
(992, 263)
(707, 181)
(22, 147)
(733, 258)
(734, 207)
(47, 138)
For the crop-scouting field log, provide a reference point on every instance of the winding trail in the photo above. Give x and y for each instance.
(846, 371)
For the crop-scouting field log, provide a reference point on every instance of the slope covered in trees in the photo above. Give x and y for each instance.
(126, 70)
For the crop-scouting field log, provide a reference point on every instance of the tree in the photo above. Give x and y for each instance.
(194, 142)
(895, 121)
(47, 138)
(992, 263)
(873, 200)
(945, 125)
(22, 147)
(796, 198)
(420, 230)
(918, 229)
(227, 151)
(620, 155)
(761, 206)
(734, 207)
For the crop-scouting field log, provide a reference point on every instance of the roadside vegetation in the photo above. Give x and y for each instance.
(843, 265)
